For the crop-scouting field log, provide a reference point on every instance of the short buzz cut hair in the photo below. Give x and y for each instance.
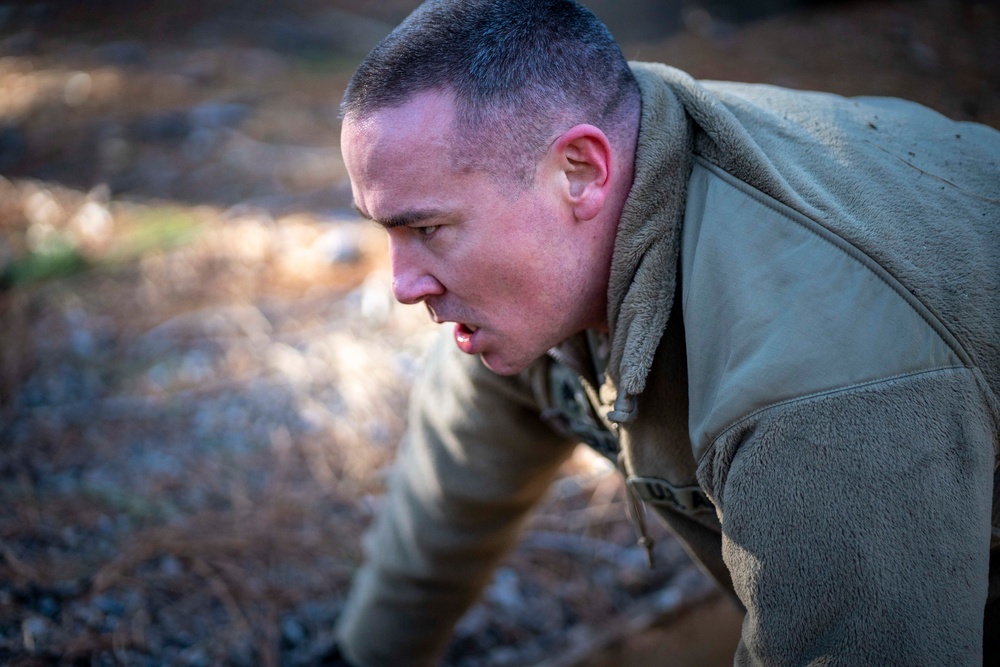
(520, 71)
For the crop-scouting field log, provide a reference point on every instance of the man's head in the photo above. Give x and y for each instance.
(519, 69)
(494, 140)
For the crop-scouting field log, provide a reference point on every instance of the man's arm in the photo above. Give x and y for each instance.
(476, 458)
(856, 524)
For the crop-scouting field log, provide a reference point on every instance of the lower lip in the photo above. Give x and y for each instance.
(465, 338)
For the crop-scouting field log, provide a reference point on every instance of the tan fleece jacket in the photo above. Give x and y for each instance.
(803, 381)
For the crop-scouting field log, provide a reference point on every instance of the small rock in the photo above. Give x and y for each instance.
(24, 43)
(218, 114)
(77, 89)
(506, 655)
(200, 143)
(376, 300)
(44, 213)
(170, 566)
(289, 363)
(124, 53)
(67, 588)
(923, 56)
(473, 622)
(292, 631)
(33, 630)
(13, 146)
(241, 654)
(339, 245)
(48, 606)
(505, 590)
(88, 615)
(263, 63)
(93, 225)
(196, 367)
(109, 605)
(167, 126)
(201, 67)
(99, 194)
(114, 154)
(194, 656)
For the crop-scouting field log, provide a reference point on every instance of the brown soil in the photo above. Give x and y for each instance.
(203, 376)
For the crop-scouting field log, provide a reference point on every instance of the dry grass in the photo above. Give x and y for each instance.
(203, 375)
(189, 423)
(195, 436)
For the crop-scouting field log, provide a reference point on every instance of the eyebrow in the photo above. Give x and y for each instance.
(400, 219)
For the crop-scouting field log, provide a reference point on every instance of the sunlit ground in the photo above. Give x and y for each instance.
(203, 375)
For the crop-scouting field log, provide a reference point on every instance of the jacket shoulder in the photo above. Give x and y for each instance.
(777, 307)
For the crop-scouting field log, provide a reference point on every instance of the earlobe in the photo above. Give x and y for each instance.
(585, 157)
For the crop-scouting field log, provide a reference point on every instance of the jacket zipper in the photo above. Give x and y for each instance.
(636, 510)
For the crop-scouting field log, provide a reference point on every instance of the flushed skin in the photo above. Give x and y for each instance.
(519, 268)
(819, 391)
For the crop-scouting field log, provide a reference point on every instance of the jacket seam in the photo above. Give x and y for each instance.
(852, 251)
(825, 392)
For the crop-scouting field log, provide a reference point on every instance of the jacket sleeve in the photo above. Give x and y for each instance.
(476, 458)
(856, 524)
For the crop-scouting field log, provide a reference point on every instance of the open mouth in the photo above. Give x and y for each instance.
(464, 333)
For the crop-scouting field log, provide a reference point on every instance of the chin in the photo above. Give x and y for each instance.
(502, 366)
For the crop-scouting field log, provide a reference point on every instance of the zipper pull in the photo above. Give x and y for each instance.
(624, 409)
(637, 515)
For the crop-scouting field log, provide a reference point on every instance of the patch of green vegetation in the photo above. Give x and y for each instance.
(150, 230)
(154, 229)
(58, 260)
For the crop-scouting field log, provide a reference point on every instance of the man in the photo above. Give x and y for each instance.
(782, 307)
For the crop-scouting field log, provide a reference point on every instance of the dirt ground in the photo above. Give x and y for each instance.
(203, 376)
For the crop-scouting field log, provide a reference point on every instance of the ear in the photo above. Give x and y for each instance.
(583, 155)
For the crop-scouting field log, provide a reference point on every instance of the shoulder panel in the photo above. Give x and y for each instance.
(777, 307)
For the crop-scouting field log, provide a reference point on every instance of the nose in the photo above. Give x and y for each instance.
(412, 282)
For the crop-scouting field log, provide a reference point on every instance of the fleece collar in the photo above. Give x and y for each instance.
(647, 246)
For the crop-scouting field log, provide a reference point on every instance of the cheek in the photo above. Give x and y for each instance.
(516, 254)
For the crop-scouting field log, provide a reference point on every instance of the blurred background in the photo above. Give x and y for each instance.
(202, 373)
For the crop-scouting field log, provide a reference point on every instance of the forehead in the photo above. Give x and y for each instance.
(422, 129)
(402, 162)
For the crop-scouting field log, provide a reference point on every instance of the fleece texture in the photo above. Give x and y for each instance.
(840, 279)
(644, 263)
(916, 193)
(854, 524)
(845, 493)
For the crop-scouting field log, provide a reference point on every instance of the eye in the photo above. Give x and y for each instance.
(427, 231)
